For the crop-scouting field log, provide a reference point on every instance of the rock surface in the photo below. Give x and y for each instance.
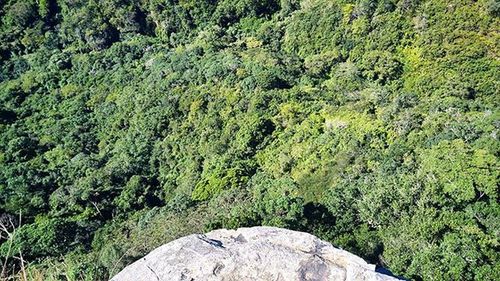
(258, 253)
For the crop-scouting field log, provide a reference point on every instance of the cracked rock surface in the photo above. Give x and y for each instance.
(257, 253)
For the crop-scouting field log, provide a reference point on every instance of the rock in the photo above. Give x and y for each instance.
(257, 253)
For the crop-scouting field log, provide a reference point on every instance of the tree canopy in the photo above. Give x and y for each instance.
(372, 124)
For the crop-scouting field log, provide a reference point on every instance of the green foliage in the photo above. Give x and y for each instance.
(372, 124)
(463, 174)
(19, 15)
(43, 8)
(45, 237)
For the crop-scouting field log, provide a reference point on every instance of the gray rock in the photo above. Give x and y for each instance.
(258, 253)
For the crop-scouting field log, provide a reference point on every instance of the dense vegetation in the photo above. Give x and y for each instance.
(372, 124)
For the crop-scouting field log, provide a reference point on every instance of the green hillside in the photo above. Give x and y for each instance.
(371, 124)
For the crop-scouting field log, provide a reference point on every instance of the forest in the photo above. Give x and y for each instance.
(372, 124)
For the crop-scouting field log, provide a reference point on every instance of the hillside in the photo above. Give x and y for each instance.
(370, 124)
